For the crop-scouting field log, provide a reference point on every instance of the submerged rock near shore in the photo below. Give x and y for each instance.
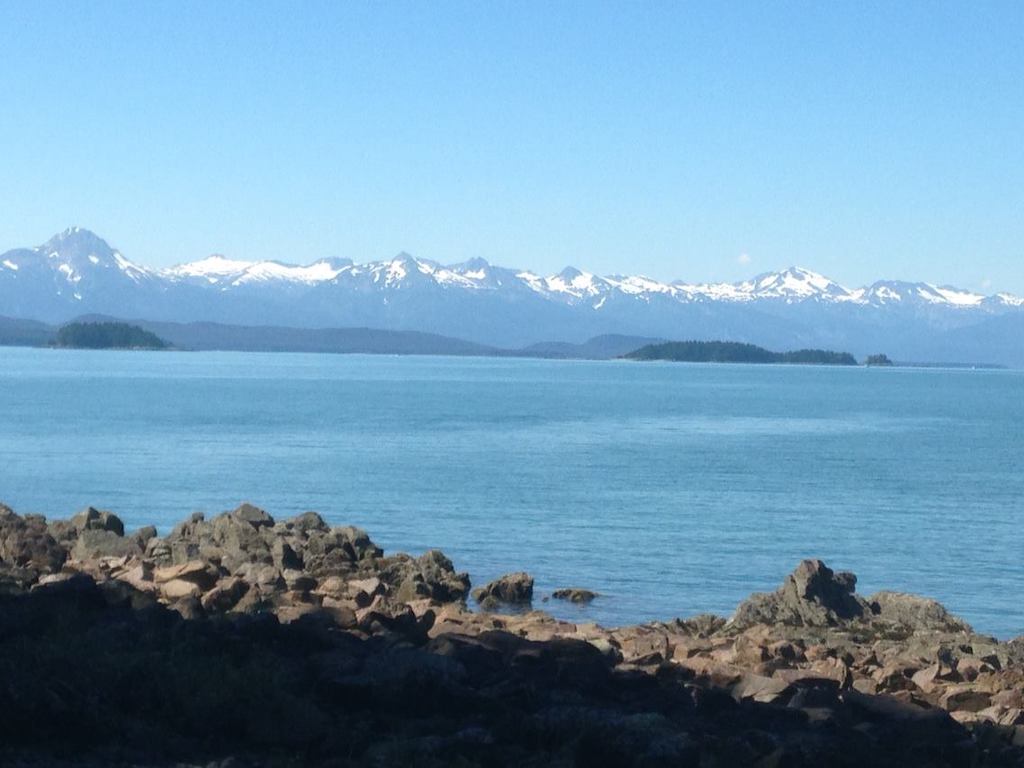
(293, 642)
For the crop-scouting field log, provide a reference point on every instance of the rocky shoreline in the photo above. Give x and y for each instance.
(243, 640)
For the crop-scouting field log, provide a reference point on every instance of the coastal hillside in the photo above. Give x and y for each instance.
(239, 338)
(15, 332)
(604, 347)
(733, 352)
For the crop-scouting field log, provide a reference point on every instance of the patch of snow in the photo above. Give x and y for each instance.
(448, 276)
(929, 294)
(959, 298)
(533, 281)
(575, 283)
(714, 291)
(10, 265)
(133, 271)
(69, 273)
(94, 259)
(639, 285)
(215, 266)
(396, 271)
(263, 271)
(878, 293)
(1006, 298)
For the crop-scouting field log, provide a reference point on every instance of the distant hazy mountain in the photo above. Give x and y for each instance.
(201, 336)
(204, 336)
(77, 273)
(603, 347)
(15, 332)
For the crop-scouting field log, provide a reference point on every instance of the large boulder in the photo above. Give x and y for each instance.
(323, 551)
(93, 544)
(225, 595)
(92, 519)
(813, 595)
(430, 576)
(912, 613)
(231, 539)
(252, 515)
(307, 522)
(25, 542)
(512, 588)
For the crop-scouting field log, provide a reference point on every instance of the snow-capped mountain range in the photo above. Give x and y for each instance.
(76, 273)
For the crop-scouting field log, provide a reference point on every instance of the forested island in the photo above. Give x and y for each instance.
(106, 336)
(736, 352)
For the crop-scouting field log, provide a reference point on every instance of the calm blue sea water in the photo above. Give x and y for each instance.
(672, 489)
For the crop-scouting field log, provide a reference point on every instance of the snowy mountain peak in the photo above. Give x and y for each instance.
(475, 268)
(891, 292)
(76, 243)
(794, 283)
(221, 270)
(78, 254)
(575, 283)
(73, 264)
(1009, 300)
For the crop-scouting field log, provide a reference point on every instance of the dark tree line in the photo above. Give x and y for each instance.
(107, 336)
(736, 352)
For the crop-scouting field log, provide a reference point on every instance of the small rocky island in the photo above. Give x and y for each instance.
(736, 352)
(106, 335)
(244, 640)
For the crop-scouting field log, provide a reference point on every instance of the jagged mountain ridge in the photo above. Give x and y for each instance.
(76, 272)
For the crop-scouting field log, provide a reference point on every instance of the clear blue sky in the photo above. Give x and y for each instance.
(860, 139)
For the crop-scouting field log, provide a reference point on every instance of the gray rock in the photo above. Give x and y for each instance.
(308, 522)
(335, 551)
(26, 543)
(92, 519)
(284, 556)
(225, 595)
(429, 576)
(358, 542)
(813, 595)
(574, 595)
(253, 601)
(914, 613)
(189, 608)
(92, 544)
(254, 516)
(702, 625)
(204, 575)
(265, 575)
(512, 588)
